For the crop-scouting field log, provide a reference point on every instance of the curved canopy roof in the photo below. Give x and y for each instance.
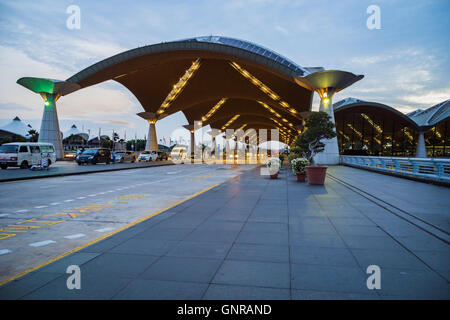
(351, 104)
(433, 115)
(193, 75)
(418, 119)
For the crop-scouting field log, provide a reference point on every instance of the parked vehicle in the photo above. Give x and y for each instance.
(162, 155)
(125, 156)
(94, 156)
(25, 154)
(148, 156)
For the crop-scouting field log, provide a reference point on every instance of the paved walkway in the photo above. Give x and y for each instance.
(256, 238)
(65, 168)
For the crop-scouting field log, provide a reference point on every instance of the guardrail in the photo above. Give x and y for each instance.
(422, 168)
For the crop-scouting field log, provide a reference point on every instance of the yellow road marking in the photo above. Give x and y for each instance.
(106, 235)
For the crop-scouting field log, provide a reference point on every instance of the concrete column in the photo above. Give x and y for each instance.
(152, 139)
(49, 131)
(330, 155)
(228, 151)
(421, 150)
(192, 145)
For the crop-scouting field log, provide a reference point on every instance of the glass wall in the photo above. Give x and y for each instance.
(437, 140)
(374, 132)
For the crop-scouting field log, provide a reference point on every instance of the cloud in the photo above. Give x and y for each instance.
(125, 123)
(281, 30)
(429, 98)
(102, 100)
(406, 78)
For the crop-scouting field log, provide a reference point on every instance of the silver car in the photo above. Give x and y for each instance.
(126, 156)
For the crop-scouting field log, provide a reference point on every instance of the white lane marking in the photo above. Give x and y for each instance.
(5, 251)
(41, 243)
(40, 207)
(70, 200)
(55, 203)
(23, 210)
(4, 214)
(75, 236)
(173, 172)
(104, 229)
(110, 191)
(81, 198)
(92, 195)
(101, 192)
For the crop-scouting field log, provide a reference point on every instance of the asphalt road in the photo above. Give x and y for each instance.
(70, 168)
(43, 218)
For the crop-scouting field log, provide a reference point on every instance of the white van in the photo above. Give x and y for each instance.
(25, 154)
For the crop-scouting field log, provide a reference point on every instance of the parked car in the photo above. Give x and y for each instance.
(94, 156)
(162, 155)
(148, 156)
(25, 154)
(125, 156)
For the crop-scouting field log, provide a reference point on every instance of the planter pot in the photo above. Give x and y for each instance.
(316, 174)
(301, 177)
(274, 176)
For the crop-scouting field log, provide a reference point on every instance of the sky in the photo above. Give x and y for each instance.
(405, 63)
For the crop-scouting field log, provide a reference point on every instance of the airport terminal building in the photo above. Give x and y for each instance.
(375, 129)
(229, 83)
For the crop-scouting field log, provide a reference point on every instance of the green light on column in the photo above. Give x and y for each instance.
(46, 103)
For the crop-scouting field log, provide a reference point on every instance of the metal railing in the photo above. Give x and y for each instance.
(424, 168)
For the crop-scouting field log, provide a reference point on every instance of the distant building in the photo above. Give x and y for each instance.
(375, 129)
(74, 139)
(16, 130)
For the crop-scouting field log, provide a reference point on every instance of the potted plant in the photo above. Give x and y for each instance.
(318, 127)
(298, 166)
(273, 165)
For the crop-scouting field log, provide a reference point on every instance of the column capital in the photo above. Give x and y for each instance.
(41, 85)
(189, 127)
(151, 117)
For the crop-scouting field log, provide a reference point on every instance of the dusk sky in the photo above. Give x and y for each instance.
(405, 63)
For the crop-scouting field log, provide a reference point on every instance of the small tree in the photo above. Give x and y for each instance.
(318, 127)
(34, 135)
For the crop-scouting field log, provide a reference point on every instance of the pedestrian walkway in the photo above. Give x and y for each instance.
(259, 238)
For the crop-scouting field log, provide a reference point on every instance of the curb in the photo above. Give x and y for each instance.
(78, 173)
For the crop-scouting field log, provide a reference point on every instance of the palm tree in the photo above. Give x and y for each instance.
(34, 135)
(203, 147)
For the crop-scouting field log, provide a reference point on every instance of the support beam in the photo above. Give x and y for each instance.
(330, 155)
(326, 83)
(50, 90)
(49, 131)
(152, 139)
(421, 150)
(191, 128)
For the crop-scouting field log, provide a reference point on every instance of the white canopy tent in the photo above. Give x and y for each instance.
(16, 126)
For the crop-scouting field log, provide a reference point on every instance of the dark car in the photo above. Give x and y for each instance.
(94, 156)
(162, 155)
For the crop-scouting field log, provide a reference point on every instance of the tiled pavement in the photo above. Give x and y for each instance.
(256, 238)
